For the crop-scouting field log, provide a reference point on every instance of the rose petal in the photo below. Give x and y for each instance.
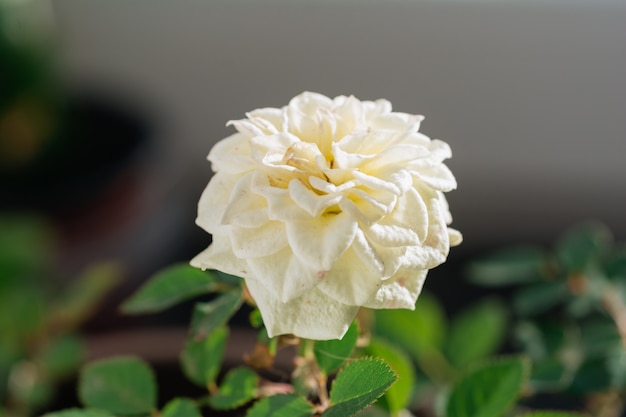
(311, 316)
(284, 275)
(350, 281)
(400, 291)
(220, 256)
(321, 241)
(259, 241)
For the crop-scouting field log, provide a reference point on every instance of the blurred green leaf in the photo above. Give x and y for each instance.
(283, 405)
(209, 316)
(517, 265)
(26, 249)
(239, 387)
(121, 385)
(582, 245)
(79, 412)
(552, 414)
(201, 359)
(599, 336)
(615, 265)
(84, 295)
(543, 338)
(169, 287)
(415, 331)
(489, 390)
(63, 356)
(537, 298)
(550, 375)
(331, 354)
(359, 384)
(476, 333)
(181, 407)
(27, 303)
(592, 376)
(228, 279)
(399, 394)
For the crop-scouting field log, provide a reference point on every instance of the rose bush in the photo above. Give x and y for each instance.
(325, 206)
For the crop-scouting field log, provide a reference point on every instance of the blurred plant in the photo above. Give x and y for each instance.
(38, 323)
(400, 361)
(569, 310)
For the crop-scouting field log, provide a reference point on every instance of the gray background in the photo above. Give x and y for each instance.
(530, 95)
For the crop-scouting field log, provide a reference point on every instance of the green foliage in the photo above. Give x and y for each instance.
(239, 387)
(538, 298)
(552, 414)
(209, 316)
(358, 385)
(399, 394)
(80, 412)
(582, 245)
(201, 359)
(283, 405)
(517, 265)
(62, 356)
(476, 333)
(169, 287)
(181, 407)
(121, 385)
(331, 354)
(427, 323)
(489, 390)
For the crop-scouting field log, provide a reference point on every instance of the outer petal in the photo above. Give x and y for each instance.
(311, 316)
(400, 291)
(213, 201)
(284, 275)
(350, 281)
(219, 255)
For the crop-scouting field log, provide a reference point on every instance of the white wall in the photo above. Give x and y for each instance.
(531, 96)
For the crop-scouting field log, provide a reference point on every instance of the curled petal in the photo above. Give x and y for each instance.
(400, 291)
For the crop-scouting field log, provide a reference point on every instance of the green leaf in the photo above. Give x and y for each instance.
(84, 295)
(283, 405)
(63, 356)
(426, 323)
(239, 387)
(476, 333)
(582, 245)
(550, 374)
(201, 359)
(592, 376)
(538, 298)
(228, 279)
(518, 265)
(489, 390)
(181, 407)
(121, 385)
(331, 354)
(399, 395)
(552, 414)
(79, 412)
(169, 287)
(209, 316)
(358, 385)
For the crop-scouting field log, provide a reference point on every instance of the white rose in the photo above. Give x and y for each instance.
(324, 206)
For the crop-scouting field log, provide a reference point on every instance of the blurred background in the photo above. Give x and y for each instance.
(108, 109)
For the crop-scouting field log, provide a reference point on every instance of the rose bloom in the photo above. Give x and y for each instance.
(325, 206)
